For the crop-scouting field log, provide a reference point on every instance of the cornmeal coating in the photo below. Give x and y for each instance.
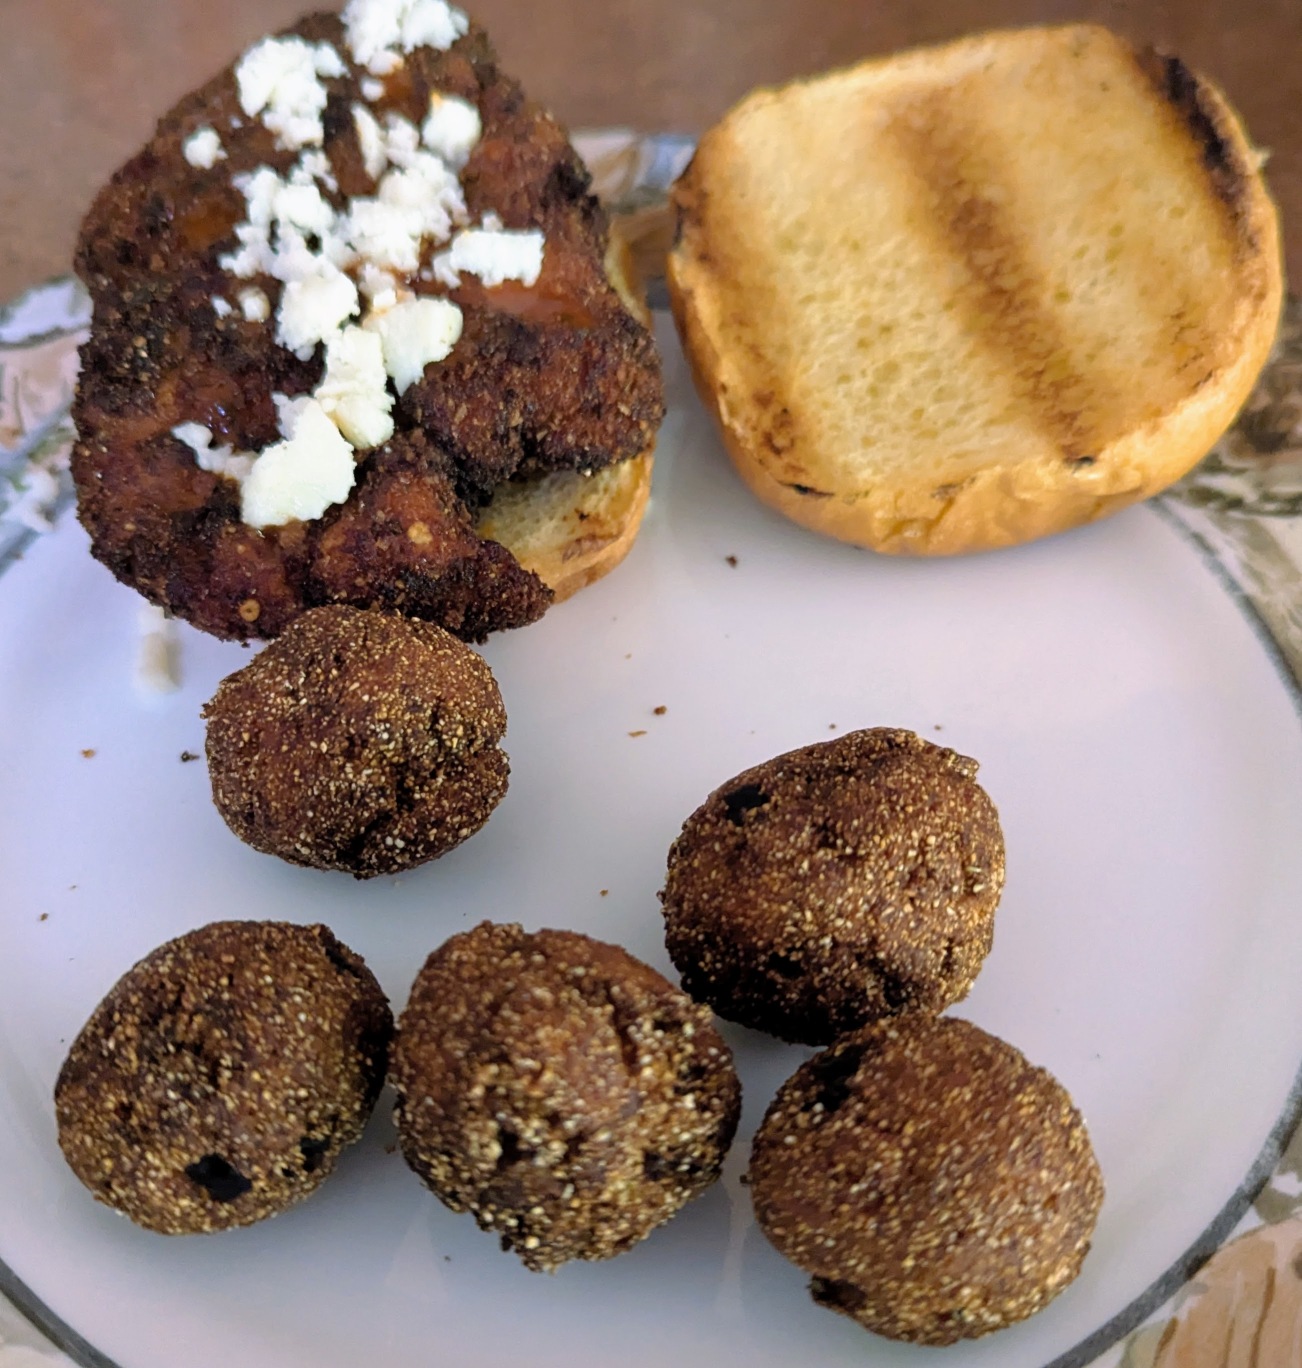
(557, 376)
(560, 1090)
(221, 1077)
(934, 1184)
(836, 884)
(358, 741)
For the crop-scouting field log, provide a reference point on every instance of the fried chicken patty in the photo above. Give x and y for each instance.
(550, 377)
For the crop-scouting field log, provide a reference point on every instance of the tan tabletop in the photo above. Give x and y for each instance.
(82, 81)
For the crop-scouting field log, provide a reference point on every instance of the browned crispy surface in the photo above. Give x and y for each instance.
(560, 1090)
(935, 1184)
(555, 377)
(358, 741)
(835, 884)
(221, 1077)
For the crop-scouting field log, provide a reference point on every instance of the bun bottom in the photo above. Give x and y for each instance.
(570, 529)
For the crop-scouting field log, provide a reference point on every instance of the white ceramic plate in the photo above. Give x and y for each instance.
(1134, 725)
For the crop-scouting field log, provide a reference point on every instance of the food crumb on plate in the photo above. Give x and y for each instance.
(187, 756)
(732, 560)
(660, 711)
(88, 753)
(640, 732)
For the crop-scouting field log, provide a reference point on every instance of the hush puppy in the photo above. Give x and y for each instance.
(221, 1077)
(836, 884)
(935, 1184)
(358, 741)
(560, 1090)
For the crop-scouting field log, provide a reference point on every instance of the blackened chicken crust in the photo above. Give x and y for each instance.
(557, 376)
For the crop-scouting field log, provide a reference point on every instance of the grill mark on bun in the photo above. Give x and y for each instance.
(1198, 108)
(974, 217)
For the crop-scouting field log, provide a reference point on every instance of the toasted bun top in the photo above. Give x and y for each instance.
(966, 295)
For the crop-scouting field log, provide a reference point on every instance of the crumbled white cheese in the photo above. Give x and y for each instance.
(291, 212)
(440, 269)
(235, 466)
(300, 477)
(336, 251)
(370, 139)
(278, 80)
(414, 334)
(372, 90)
(247, 261)
(429, 188)
(493, 254)
(401, 140)
(222, 460)
(254, 305)
(355, 390)
(289, 411)
(374, 29)
(304, 207)
(259, 189)
(294, 260)
(158, 664)
(379, 30)
(430, 23)
(416, 201)
(379, 287)
(221, 307)
(203, 148)
(420, 200)
(314, 165)
(197, 437)
(452, 129)
(312, 308)
(383, 234)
